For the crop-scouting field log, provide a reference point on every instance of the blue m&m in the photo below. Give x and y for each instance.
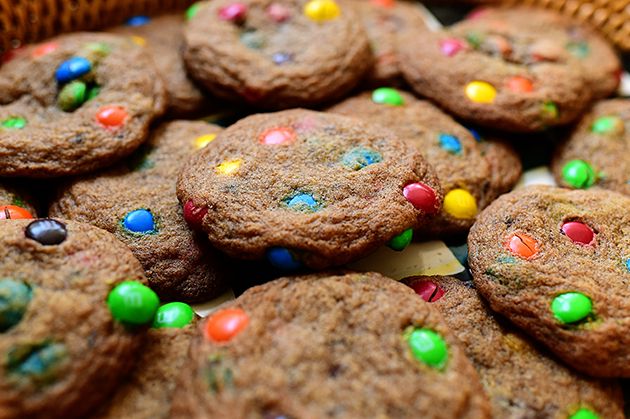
(304, 202)
(450, 143)
(359, 157)
(138, 20)
(282, 258)
(139, 221)
(628, 264)
(72, 69)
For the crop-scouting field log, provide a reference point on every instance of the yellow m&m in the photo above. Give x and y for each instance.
(229, 167)
(480, 92)
(204, 140)
(322, 10)
(138, 40)
(459, 203)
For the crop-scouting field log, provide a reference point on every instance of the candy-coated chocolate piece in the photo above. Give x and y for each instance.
(47, 231)
(450, 143)
(278, 12)
(139, 221)
(281, 58)
(13, 212)
(584, 413)
(428, 290)
(451, 46)
(229, 167)
(628, 264)
(578, 232)
(72, 69)
(204, 140)
(608, 124)
(278, 136)
(36, 361)
(72, 96)
(92, 92)
(111, 116)
(402, 240)
(550, 110)
(282, 258)
(14, 123)
(579, 174)
(225, 324)
(422, 197)
(138, 21)
(428, 347)
(138, 40)
(303, 202)
(44, 49)
(322, 10)
(579, 49)
(387, 96)
(234, 12)
(133, 303)
(460, 203)
(523, 245)
(360, 157)
(571, 307)
(193, 214)
(520, 84)
(173, 315)
(192, 11)
(480, 92)
(14, 299)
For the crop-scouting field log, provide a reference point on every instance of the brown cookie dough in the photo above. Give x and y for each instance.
(505, 166)
(327, 346)
(597, 153)
(57, 118)
(383, 20)
(556, 263)
(163, 38)
(271, 54)
(511, 69)
(304, 187)
(62, 352)
(465, 174)
(521, 380)
(137, 202)
(147, 393)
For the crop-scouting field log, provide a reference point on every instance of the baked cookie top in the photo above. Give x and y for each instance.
(351, 346)
(556, 262)
(306, 188)
(74, 104)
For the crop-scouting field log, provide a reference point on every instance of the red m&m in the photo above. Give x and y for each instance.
(421, 197)
(428, 290)
(194, 214)
(578, 232)
(111, 116)
(45, 48)
(223, 325)
(234, 12)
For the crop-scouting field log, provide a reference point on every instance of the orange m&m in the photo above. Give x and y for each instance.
(520, 84)
(223, 325)
(523, 245)
(111, 116)
(13, 212)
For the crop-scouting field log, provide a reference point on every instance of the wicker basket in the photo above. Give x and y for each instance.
(25, 21)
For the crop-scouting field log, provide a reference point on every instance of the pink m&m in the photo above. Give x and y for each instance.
(421, 197)
(278, 12)
(278, 136)
(451, 46)
(578, 232)
(234, 12)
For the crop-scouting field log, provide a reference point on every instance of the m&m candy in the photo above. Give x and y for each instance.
(422, 197)
(14, 123)
(139, 221)
(450, 143)
(359, 157)
(138, 21)
(579, 174)
(451, 46)
(520, 84)
(72, 69)
(304, 202)
(72, 96)
(204, 140)
(428, 290)
(571, 307)
(550, 110)
(194, 214)
(387, 96)
(401, 241)
(281, 58)
(111, 116)
(278, 136)
(578, 232)
(608, 124)
(480, 92)
(133, 303)
(15, 297)
(523, 245)
(173, 315)
(584, 413)
(228, 167)
(460, 203)
(278, 12)
(282, 258)
(428, 347)
(234, 12)
(47, 231)
(44, 49)
(225, 324)
(192, 11)
(13, 212)
(322, 10)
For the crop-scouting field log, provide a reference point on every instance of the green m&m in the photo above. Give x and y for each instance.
(571, 307)
(132, 303)
(192, 11)
(607, 124)
(72, 96)
(14, 123)
(173, 315)
(387, 96)
(15, 297)
(579, 174)
(550, 110)
(401, 241)
(428, 347)
(584, 413)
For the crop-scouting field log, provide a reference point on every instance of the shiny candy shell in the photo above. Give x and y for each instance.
(422, 197)
(133, 303)
(283, 259)
(523, 245)
(579, 174)
(451, 46)
(480, 92)
(520, 84)
(194, 214)
(578, 232)
(204, 140)
(278, 12)
(608, 124)
(140, 20)
(47, 231)
(225, 324)
(173, 315)
(13, 212)
(44, 49)
(228, 167)
(278, 136)
(72, 68)
(401, 241)
(428, 290)
(322, 10)
(428, 347)
(584, 413)
(450, 143)
(387, 96)
(139, 221)
(14, 123)
(111, 116)
(15, 297)
(571, 307)
(460, 203)
(234, 12)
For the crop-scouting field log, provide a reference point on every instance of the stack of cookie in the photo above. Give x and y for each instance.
(351, 126)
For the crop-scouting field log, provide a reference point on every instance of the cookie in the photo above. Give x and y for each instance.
(556, 263)
(276, 53)
(137, 202)
(74, 104)
(597, 153)
(62, 294)
(505, 164)
(163, 38)
(383, 20)
(513, 69)
(147, 392)
(521, 380)
(15, 204)
(346, 346)
(306, 188)
(463, 171)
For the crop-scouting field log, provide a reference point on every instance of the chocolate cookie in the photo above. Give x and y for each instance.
(521, 380)
(62, 351)
(514, 69)
(15, 204)
(348, 346)
(556, 262)
(137, 202)
(383, 20)
(74, 104)
(597, 154)
(163, 38)
(304, 187)
(147, 392)
(459, 162)
(276, 53)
